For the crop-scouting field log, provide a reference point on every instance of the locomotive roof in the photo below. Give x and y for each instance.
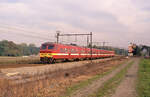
(47, 43)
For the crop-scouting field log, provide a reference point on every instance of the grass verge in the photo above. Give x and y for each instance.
(19, 60)
(143, 84)
(82, 84)
(110, 85)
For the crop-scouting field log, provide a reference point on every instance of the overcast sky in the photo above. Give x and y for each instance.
(118, 22)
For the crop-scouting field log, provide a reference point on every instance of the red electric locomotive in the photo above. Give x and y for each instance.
(50, 52)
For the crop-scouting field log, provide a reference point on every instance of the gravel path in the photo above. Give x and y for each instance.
(48, 67)
(127, 87)
(90, 89)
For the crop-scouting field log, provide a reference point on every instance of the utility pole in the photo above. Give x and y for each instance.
(91, 45)
(87, 41)
(57, 36)
(104, 44)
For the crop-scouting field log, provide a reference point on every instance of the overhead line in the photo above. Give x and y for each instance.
(18, 28)
(21, 30)
(38, 37)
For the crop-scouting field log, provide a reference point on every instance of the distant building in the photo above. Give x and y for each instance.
(130, 49)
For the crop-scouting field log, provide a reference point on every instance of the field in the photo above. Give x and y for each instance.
(143, 85)
(19, 60)
(13, 62)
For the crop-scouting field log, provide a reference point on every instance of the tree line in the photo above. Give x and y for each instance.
(9, 48)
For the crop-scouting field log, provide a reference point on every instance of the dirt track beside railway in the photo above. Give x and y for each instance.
(127, 87)
(85, 92)
(55, 83)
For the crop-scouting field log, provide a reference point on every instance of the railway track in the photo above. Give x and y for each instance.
(32, 70)
(5, 65)
(26, 73)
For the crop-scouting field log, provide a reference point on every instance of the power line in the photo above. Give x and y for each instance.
(23, 31)
(17, 29)
(31, 36)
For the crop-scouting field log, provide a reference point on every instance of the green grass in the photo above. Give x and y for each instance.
(109, 86)
(18, 60)
(82, 84)
(143, 84)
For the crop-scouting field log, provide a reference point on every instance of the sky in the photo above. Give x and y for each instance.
(117, 22)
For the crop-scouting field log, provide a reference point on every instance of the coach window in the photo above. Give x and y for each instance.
(72, 50)
(61, 50)
(66, 50)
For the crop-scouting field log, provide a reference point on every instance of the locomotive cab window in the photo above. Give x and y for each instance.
(50, 46)
(44, 47)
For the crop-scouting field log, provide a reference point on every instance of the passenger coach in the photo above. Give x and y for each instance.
(50, 52)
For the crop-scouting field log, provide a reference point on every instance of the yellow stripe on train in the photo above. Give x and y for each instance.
(46, 55)
(52, 54)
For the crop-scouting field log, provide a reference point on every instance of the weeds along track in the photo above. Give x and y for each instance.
(53, 83)
(39, 75)
(33, 70)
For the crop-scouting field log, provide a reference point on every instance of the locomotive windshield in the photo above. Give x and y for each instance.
(50, 46)
(47, 47)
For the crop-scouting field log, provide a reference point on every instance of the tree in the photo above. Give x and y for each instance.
(9, 48)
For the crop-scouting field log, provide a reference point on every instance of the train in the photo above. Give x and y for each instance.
(50, 52)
